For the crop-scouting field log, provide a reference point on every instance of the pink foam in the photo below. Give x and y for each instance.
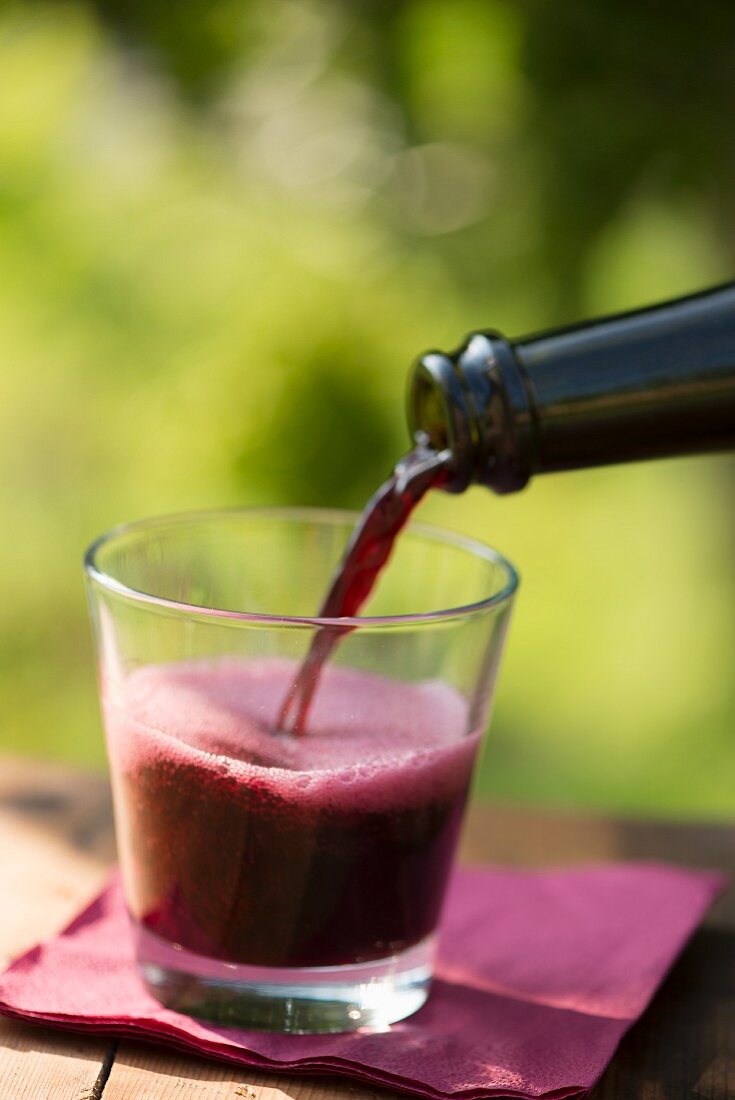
(370, 740)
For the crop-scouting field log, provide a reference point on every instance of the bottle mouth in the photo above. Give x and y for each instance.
(438, 413)
(473, 403)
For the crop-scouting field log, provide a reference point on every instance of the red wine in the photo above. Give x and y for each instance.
(268, 850)
(367, 552)
(242, 843)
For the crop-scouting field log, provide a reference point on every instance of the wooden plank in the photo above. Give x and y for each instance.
(74, 805)
(146, 1073)
(46, 879)
(40, 1064)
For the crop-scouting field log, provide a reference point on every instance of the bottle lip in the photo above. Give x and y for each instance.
(437, 409)
(474, 403)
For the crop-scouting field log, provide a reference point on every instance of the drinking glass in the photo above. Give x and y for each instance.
(281, 881)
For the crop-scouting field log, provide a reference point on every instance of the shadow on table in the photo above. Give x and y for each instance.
(684, 1045)
(75, 805)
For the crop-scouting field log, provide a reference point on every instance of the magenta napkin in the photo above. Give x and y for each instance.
(540, 974)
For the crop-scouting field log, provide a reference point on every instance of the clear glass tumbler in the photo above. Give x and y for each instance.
(277, 881)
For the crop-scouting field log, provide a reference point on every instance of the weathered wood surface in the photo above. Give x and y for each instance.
(56, 842)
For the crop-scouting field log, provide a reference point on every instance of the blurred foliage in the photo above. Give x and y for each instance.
(225, 231)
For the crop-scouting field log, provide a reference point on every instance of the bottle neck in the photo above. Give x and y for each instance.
(649, 384)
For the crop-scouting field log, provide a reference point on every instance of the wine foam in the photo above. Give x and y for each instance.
(371, 741)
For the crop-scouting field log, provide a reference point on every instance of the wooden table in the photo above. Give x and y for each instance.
(56, 843)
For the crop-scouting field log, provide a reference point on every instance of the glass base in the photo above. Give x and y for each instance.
(301, 1001)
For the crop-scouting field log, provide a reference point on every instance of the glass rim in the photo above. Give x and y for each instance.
(303, 515)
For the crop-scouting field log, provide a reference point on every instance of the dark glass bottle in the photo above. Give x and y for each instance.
(649, 384)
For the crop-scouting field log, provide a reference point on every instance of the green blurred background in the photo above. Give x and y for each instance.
(226, 230)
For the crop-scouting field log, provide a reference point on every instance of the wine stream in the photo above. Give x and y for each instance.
(367, 552)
